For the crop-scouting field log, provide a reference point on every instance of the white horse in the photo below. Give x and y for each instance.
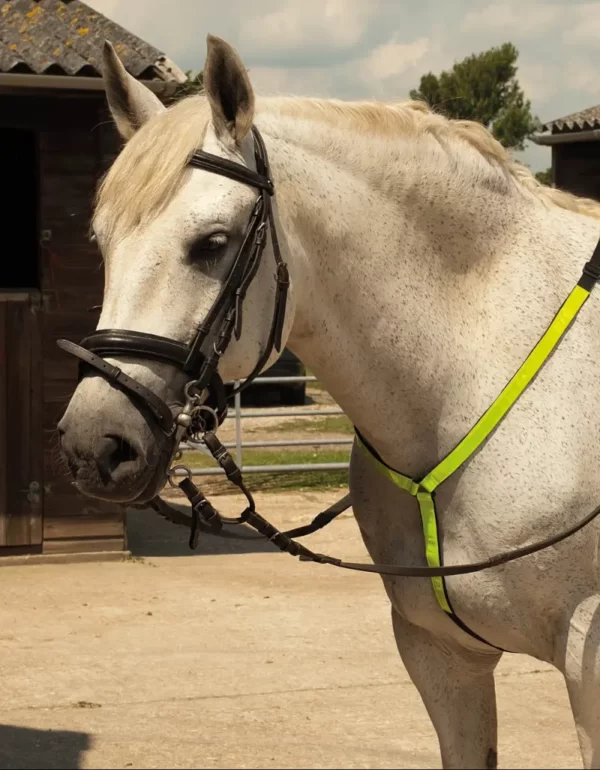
(425, 265)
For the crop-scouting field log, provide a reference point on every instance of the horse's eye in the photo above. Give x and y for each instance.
(210, 243)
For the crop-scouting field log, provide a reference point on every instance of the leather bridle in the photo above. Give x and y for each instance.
(205, 393)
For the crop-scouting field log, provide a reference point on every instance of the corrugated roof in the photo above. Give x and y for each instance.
(585, 120)
(65, 37)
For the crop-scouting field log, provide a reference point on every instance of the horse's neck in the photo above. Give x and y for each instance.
(406, 288)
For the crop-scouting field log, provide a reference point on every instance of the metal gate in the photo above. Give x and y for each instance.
(238, 414)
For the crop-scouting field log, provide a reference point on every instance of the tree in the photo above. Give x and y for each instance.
(545, 177)
(483, 87)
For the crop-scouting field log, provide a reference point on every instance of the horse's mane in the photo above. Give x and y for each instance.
(151, 166)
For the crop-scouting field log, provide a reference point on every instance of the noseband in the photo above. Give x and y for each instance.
(205, 403)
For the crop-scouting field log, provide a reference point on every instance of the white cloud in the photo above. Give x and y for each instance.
(540, 82)
(336, 23)
(586, 26)
(523, 20)
(392, 59)
(583, 75)
(298, 82)
(378, 74)
(107, 7)
(356, 48)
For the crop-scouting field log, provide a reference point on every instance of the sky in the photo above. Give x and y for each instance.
(354, 49)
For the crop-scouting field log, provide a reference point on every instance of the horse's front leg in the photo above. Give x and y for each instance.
(580, 664)
(457, 688)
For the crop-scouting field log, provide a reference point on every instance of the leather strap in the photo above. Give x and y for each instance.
(232, 170)
(322, 519)
(243, 271)
(122, 342)
(175, 516)
(274, 340)
(464, 569)
(223, 319)
(252, 244)
(591, 270)
(160, 411)
(284, 541)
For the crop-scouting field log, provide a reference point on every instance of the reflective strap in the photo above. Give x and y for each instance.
(432, 546)
(428, 520)
(404, 482)
(476, 436)
(533, 363)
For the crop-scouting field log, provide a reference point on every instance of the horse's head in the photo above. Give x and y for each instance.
(171, 234)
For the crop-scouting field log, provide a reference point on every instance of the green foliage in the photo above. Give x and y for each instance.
(278, 482)
(483, 87)
(193, 85)
(276, 456)
(545, 177)
(339, 424)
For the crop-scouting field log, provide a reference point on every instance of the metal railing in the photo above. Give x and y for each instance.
(238, 414)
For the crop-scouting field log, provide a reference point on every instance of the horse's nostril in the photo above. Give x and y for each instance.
(123, 452)
(114, 452)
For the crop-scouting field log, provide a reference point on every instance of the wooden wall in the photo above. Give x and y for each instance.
(576, 168)
(21, 450)
(76, 144)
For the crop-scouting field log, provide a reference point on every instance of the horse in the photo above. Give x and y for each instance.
(424, 264)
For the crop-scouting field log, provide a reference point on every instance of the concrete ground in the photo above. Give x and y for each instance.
(232, 657)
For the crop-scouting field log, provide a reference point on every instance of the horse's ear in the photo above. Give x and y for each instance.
(131, 103)
(229, 91)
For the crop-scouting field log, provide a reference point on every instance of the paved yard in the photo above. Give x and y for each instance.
(231, 657)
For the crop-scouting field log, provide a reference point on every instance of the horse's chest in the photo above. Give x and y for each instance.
(390, 525)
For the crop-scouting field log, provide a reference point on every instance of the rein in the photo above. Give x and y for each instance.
(205, 518)
(205, 405)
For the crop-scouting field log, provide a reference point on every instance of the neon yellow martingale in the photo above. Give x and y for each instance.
(424, 489)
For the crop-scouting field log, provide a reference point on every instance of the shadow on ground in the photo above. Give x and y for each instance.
(150, 535)
(22, 748)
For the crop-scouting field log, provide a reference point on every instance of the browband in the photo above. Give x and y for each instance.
(209, 162)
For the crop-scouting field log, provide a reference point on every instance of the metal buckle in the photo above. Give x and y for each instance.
(171, 474)
(261, 234)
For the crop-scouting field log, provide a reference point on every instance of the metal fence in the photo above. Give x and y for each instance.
(238, 414)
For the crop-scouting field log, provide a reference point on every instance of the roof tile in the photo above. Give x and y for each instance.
(65, 37)
(583, 120)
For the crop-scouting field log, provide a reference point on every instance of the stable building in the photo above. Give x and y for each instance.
(575, 144)
(56, 141)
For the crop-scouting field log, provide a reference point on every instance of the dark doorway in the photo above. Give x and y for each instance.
(20, 259)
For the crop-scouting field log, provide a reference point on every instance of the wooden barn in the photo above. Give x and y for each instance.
(56, 140)
(575, 144)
